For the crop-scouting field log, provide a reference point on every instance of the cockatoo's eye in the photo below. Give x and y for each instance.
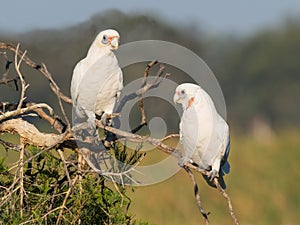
(104, 39)
(182, 94)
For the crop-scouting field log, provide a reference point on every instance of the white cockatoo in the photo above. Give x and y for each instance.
(204, 134)
(97, 79)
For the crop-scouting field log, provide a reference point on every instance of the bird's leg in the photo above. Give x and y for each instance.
(183, 160)
(214, 170)
(91, 119)
(212, 174)
(88, 132)
(105, 119)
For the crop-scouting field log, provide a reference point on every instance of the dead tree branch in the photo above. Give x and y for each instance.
(21, 111)
(42, 68)
(197, 195)
(141, 103)
(226, 196)
(21, 176)
(30, 134)
(4, 80)
(145, 86)
(10, 146)
(23, 83)
(9, 110)
(140, 139)
(12, 122)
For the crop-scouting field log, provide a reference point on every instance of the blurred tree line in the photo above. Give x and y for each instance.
(259, 73)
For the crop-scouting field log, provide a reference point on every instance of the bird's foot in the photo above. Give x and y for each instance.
(212, 174)
(183, 160)
(106, 119)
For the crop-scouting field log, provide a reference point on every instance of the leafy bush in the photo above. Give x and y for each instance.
(85, 197)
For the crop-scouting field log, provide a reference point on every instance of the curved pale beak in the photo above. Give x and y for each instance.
(115, 43)
(176, 98)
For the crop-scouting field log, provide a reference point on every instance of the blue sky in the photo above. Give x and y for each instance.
(236, 16)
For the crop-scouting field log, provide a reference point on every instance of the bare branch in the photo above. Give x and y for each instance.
(138, 138)
(11, 122)
(197, 195)
(8, 145)
(30, 134)
(23, 83)
(125, 173)
(21, 175)
(226, 196)
(4, 80)
(63, 206)
(38, 67)
(65, 166)
(9, 110)
(22, 111)
(43, 69)
(59, 95)
(141, 103)
(170, 136)
(159, 77)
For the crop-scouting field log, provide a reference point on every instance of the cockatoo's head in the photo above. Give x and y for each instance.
(108, 39)
(185, 94)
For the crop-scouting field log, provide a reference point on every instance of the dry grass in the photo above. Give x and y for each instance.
(263, 185)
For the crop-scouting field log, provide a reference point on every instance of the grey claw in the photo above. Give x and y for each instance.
(106, 119)
(181, 162)
(213, 174)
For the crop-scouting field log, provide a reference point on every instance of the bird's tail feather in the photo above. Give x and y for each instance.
(225, 168)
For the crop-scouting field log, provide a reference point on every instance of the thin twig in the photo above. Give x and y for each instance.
(125, 173)
(43, 69)
(57, 93)
(138, 138)
(197, 195)
(159, 77)
(38, 67)
(4, 80)
(21, 175)
(23, 83)
(226, 196)
(43, 217)
(81, 163)
(7, 145)
(170, 136)
(10, 110)
(141, 103)
(63, 206)
(65, 166)
(29, 134)
(21, 111)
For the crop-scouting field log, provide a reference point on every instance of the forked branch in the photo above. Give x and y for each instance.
(11, 121)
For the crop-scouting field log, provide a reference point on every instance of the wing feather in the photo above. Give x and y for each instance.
(203, 131)
(101, 83)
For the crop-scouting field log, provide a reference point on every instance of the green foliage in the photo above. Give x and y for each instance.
(46, 187)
